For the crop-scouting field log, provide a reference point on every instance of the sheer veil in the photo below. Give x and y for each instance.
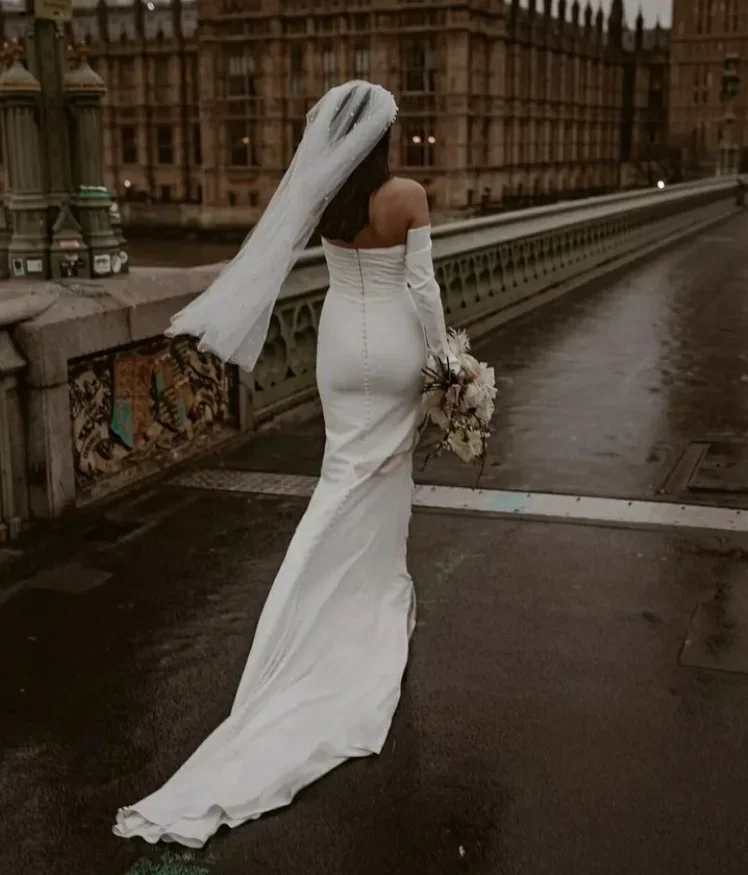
(232, 316)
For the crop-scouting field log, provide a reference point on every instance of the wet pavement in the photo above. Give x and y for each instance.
(551, 720)
(603, 394)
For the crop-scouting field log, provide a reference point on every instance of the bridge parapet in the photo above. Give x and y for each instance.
(107, 400)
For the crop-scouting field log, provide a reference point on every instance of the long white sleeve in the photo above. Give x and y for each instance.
(424, 290)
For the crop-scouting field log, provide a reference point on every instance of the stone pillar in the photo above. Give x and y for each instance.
(13, 498)
(20, 93)
(4, 242)
(83, 91)
(44, 48)
(728, 160)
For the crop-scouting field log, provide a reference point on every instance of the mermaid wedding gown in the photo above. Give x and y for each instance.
(323, 677)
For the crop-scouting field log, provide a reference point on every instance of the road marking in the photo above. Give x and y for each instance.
(539, 506)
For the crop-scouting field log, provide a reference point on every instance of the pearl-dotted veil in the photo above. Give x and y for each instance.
(232, 316)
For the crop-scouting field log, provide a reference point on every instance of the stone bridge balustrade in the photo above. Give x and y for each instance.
(108, 399)
(17, 304)
(494, 268)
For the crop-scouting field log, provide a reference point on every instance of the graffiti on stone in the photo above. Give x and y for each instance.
(134, 403)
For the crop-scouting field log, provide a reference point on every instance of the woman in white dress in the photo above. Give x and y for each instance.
(323, 676)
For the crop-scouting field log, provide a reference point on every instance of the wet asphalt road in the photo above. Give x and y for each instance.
(602, 394)
(546, 724)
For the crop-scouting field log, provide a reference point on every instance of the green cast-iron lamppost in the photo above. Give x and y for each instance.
(58, 219)
(728, 160)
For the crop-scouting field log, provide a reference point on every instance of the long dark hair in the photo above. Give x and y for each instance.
(347, 214)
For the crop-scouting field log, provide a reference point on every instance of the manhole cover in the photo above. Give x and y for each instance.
(722, 468)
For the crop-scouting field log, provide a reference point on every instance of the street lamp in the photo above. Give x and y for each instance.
(729, 152)
(61, 215)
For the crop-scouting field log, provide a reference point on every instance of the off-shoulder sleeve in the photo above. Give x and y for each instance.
(425, 291)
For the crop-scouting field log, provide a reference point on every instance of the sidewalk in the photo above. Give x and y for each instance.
(552, 720)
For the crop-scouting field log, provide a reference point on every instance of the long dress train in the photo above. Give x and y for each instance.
(323, 677)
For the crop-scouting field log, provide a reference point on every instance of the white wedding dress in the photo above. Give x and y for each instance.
(323, 676)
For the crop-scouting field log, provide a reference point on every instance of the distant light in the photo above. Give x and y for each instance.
(660, 185)
(416, 139)
(151, 6)
(245, 140)
(128, 184)
(432, 140)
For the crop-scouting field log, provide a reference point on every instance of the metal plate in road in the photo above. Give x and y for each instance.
(718, 637)
(723, 468)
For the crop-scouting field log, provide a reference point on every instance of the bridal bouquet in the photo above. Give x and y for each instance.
(459, 400)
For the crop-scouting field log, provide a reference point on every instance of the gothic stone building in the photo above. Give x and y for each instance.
(704, 34)
(646, 154)
(500, 103)
(495, 101)
(147, 54)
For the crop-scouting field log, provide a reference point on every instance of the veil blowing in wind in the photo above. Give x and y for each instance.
(232, 317)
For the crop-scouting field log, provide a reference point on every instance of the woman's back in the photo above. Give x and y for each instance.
(394, 208)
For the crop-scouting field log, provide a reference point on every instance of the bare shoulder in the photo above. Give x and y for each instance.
(400, 204)
(409, 198)
(407, 190)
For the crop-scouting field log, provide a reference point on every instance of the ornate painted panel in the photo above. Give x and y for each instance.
(145, 402)
(285, 370)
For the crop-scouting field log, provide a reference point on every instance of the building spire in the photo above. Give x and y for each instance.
(615, 23)
(639, 40)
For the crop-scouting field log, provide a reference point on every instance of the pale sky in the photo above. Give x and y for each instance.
(650, 8)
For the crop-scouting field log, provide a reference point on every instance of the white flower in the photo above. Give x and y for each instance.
(460, 410)
(439, 417)
(452, 396)
(431, 400)
(458, 341)
(474, 395)
(469, 366)
(465, 443)
(488, 377)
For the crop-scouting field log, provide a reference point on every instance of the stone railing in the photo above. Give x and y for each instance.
(13, 508)
(15, 306)
(107, 399)
(492, 269)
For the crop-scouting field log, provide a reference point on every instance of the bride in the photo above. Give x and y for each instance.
(323, 676)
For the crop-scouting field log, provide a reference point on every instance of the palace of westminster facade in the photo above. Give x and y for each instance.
(501, 102)
(705, 35)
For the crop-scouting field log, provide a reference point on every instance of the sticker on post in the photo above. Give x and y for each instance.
(71, 266)
(18, 268)
(102, 265)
